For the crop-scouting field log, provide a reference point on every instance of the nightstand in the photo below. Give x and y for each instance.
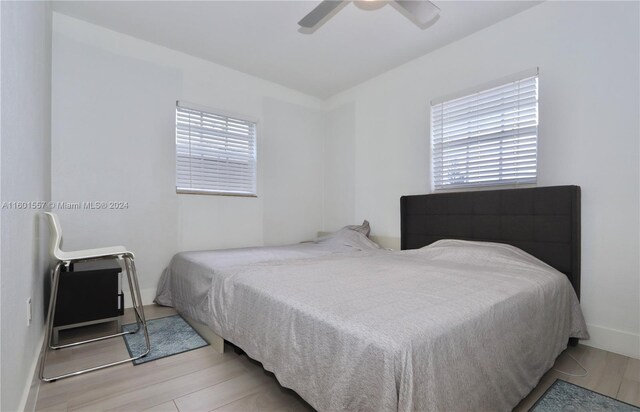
(89, 293)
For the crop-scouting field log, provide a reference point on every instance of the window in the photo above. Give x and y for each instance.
(486, 138)
(215, 153)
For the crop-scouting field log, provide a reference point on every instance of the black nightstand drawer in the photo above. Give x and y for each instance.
(91, 291)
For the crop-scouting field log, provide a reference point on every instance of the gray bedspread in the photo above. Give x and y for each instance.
(450, 327)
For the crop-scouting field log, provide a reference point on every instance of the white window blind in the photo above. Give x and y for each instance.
(486, 138)
(214, 153)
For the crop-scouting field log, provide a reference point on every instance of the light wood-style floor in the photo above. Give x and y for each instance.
(202, 380)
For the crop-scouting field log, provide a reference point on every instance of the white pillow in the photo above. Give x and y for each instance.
(353, 236)
(364, 228)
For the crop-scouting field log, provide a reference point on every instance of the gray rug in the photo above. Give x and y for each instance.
(168, 336)
(564, 396)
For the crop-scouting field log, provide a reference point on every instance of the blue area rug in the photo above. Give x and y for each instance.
(168, 336)
(564, 396)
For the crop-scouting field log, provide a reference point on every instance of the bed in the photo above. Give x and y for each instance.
(461, 319)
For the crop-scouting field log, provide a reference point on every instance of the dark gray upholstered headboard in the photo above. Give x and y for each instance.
(543, 221)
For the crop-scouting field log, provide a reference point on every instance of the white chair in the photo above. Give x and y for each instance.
(69, 258)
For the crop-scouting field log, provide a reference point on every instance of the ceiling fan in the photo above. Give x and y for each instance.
(421, 12)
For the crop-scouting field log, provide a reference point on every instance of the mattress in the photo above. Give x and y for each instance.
(453, 326)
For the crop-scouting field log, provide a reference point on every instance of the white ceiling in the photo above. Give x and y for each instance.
(262, 38)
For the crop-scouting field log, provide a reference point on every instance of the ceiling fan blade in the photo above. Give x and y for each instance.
(422, 11)
(320, 12)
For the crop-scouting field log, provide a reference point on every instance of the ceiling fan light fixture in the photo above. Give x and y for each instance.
(370, 4)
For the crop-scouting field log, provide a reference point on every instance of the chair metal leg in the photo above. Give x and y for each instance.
(134, 296)
(50, 315)
(140, 313)
(55, 282)
(114, 335)
(140, 320)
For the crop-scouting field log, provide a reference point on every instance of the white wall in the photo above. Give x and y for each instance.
(113, 138)
(339, 161)
(293, 189)
(25, 167)
(588, 54)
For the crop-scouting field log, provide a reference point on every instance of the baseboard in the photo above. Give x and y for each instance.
(30, 394)
(617, 341)
(148, 295)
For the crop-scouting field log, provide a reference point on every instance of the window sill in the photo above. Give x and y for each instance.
(209, 193)
(472, 188)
